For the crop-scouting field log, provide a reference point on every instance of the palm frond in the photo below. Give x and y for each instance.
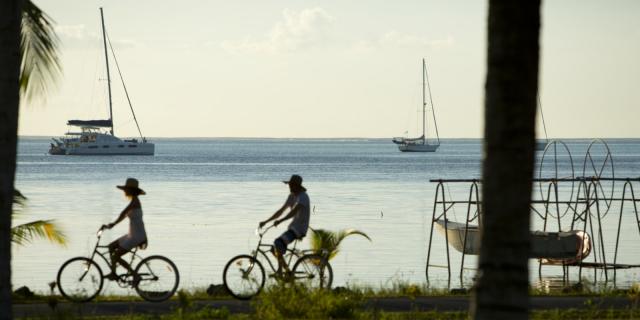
(40, 56)
(19, 201)
(40, 229)
(348, 232)
(329, 241)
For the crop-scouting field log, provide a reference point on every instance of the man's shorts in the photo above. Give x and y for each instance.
(281, 242)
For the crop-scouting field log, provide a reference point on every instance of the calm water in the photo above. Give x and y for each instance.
(205, 198)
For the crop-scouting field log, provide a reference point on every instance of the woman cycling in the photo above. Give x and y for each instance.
(137, 237)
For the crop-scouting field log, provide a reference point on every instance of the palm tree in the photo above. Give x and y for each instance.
(501, 290)
(28, 51)
(27, 232)
(329, 241)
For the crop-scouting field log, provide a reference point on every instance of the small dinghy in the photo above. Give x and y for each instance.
(565, 247)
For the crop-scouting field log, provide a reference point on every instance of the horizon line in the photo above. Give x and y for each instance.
(309, 138)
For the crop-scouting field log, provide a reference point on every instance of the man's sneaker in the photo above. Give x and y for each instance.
(112, 276)
(285, 275)
(288, 275)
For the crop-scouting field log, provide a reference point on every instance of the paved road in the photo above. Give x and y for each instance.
(383, 304)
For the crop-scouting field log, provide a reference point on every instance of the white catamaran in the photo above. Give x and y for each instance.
(93, 137)
(421, 144)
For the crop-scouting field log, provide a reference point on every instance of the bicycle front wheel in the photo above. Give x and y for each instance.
(156, 278)
(243, 277)
(313, 271)
(80, 279)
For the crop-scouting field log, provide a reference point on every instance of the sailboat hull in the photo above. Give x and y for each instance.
(418, 147)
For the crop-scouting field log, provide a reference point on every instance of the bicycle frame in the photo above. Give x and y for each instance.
(288, 256)
(102, 253)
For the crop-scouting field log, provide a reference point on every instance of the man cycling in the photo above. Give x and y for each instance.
(298, 202)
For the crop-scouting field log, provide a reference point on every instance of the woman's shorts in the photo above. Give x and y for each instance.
(126, 242)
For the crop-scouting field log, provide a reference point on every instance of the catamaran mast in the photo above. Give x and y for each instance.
(106, 59)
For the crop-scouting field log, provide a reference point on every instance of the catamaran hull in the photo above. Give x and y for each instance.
(138, 149)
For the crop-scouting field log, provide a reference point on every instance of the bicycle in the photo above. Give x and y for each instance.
(244, 275)
(155, 278)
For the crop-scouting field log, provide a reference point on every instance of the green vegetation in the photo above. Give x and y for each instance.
(293, 301)
(39, 48)
(297, 302)
(210, 313)
(39, 229)
(391, 289)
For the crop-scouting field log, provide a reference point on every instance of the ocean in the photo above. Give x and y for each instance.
(205, 197)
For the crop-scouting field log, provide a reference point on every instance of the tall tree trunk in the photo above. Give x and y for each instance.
(501, 290)
(10, 18)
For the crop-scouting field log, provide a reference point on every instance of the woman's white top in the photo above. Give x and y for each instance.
(136, 234)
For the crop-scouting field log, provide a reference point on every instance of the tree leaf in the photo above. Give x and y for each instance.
(39, 229)
(40, 56)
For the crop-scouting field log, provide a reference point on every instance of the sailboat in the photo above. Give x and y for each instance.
(421, 144)
(97, 137)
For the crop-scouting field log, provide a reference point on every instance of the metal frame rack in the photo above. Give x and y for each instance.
(587, 199)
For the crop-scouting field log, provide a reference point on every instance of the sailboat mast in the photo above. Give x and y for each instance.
(424, 104)
(433, 109)
(106, 59)
(544, 125)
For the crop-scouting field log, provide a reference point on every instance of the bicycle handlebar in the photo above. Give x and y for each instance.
(261, 232)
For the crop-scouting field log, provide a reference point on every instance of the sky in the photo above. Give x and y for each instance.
(327, 69)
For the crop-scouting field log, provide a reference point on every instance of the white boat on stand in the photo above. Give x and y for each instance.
(421, 144)
(96, 137)
(552, 247)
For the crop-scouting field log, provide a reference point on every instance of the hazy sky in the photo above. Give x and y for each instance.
(201, 68)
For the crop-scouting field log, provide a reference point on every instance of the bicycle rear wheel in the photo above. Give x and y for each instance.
(313, 271)
(243, 277)
(80, 279)
(158, 278)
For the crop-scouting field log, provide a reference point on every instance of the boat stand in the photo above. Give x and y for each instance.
(441, 207)
(564, 203)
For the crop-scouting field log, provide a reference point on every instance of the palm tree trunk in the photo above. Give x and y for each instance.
(10, 18)
(501, 290)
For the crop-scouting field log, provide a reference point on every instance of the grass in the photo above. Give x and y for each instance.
(292, 301)
(394, 288)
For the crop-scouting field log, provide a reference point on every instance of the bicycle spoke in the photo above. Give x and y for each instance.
(241, 282)
(313, 271)
(79, 279)
(156, 278)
